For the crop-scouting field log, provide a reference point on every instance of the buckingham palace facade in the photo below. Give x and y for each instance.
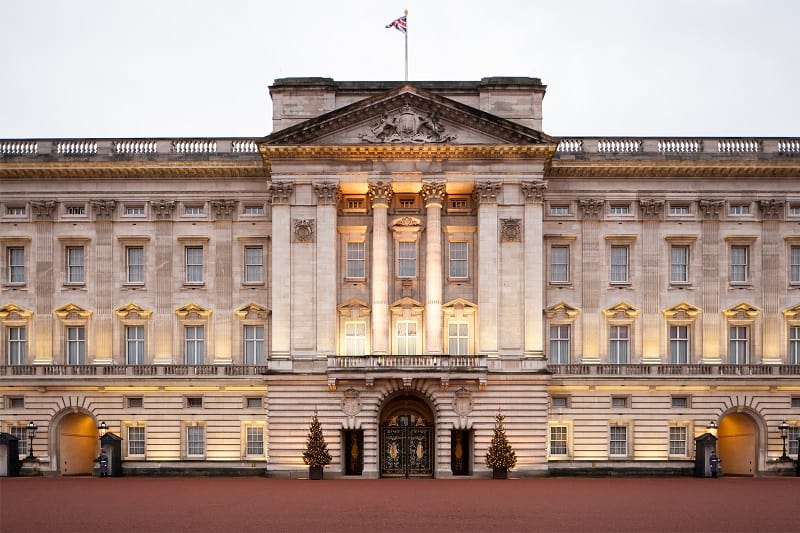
(406, 260)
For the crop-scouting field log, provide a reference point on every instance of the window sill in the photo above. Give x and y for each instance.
(459, 280)
(620, 284)
(560, 284)
(252, 284)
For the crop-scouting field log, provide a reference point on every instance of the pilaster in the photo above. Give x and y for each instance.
(281, 271)
(103, 290)
(164, 249)
(433, 194)
(380, 194)
(326, 274)
(43, 212)
(712, 282)
(591, 210)
(223, 280)
(485, 194)
(650, 211)
(533, 192)
(771, 211)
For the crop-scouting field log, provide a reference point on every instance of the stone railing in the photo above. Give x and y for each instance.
(70, 148)
(17, 148)
(136, 147)
(133, 370)
(407, 362)
(678, 145)
(673, 370)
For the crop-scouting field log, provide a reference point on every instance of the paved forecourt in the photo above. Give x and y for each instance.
(207, 504)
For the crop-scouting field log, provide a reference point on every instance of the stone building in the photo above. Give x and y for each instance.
(405, 259)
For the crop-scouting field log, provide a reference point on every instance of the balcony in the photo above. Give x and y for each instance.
(133, 370)
(673, 370)
(438, 363)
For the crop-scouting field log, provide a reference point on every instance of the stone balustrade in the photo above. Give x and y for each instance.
(679, 145)
(17, 148)
(673, 370)
(78, 148)
(407, 362)
(132, 370)
(137, 146)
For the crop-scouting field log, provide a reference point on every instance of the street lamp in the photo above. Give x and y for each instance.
(712, 427)
(32, 427)
(103, 427)
(784, 427)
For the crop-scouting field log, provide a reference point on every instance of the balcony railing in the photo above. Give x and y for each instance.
(674, 370)
(407, 362)
(133, 370)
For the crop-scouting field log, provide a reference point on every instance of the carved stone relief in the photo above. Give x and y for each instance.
(162, 208)
(327, 192)
(462, 403)
(280, 191)
(510, 230)
(223, 208)
(486, 192)
(651, 208)
(533, 190)
(351, 403)
(304, 230)
(380, 192)
(771, 208)
(407, 126)
(591, 208)
(43, 210)
(103, 208)
(433, 192)
(711, 208)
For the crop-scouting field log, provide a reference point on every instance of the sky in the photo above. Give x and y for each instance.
(202, 68)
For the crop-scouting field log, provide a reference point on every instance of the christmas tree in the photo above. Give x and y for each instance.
(500, 455)
(316, 453)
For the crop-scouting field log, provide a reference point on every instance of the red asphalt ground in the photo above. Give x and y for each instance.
(148, 504)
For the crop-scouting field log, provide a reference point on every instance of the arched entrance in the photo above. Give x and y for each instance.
(406, 435)
(737, 444)
(77, 444)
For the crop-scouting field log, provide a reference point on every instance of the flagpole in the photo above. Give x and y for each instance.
(406, 37)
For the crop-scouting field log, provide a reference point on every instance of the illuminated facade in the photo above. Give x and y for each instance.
(405, 259)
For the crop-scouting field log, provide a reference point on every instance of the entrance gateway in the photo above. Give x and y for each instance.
(406, 438)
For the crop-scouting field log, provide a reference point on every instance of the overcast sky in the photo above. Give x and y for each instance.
(166, 68)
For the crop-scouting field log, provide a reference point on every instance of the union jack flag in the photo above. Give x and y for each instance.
(399, 24)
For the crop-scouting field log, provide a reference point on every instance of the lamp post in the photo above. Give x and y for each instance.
(32, 427)
(784, 427)
(712, 427)
(103, 428)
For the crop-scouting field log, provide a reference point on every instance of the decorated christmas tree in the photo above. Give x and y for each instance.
(316, 453)
(500, 455)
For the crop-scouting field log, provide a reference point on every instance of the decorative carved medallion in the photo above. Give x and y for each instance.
(223, 208)
(771, 208)
(304, 230)
(407, 126)
(462, 403)
(591, 208)
(280, 191)
(408, 222)
(711, 208)
(162, 208)
(43, 210)
(651, 208)
(103, 208)
(510, 230)
(534, 190)
(351, 403)
(327, 192)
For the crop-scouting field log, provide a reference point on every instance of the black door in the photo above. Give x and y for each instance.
(353, 452)
(459, 452)
(406, 449)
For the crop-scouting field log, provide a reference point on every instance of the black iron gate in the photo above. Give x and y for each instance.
(407, 451)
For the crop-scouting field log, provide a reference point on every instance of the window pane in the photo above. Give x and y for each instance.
(559, 345)
(619, 263)
(677, 441)
(559, 263)
(618, 440)
(135, 265)
(75, 264)
(194, 264)
(255, 441)
(355, 260)
(407, 259)
(458, 260)
(21, 432)
(794, 345)
(254, 264)
(558, 440)
(739, 264)
(135, 344)
(76, 345)
(679, 345)
(738, 345)
(458, 338)
(136, 440)
(253, 345)
(355, 335)
(618, 344)
(16, 265)
(406, 338)
(195, 345)
(679, 265)
(195, 440)
(17, 345)
(795, 264)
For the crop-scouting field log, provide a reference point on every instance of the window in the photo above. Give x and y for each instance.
(618, 344)
(134, 345)
(619, 210)
(75, 260)
(21, 432)
(794, 264)
(76, 210)
(619, 401)
(194, 264)
(619, 264)
(134, 210)
(16, 264)
(194, 401)
(680, 402)
(195, 345)
(406, 338)
(406, 202)
(135, 402)
(254, 210)
(559, 345)
(354, 204)
(16, 402)
(355, 338)
(558, 440)
(15, 211)
(255, 402)
(18, 345)
(458, 338)
(559, 264)
(76, 345)
(796, 401)
(135, 440)
(406, 259)
(738, 345)
(134, 259)
(678, 209)
(794, 210)
(458, 204)
(254, 345)
(253, 264)
(679, 345)
(679, 264)
(255, 440)
(793, 436)
(741, 209)
(458, 260)
(677, 440)
(618, 440)
(794, 345)
(739, 264)
(559, 402)
(193, 210)
(559, 210)
(195, 440)
(356, 265)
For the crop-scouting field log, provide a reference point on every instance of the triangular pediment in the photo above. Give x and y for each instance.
(681, 311)
(792, 313)
(353, 308)
(72, 311)
(407, 115)
(12, 311)
(743, 311)
(252, 311)
(192, 311)
(132, 311)
(621, 310)
(562, 310)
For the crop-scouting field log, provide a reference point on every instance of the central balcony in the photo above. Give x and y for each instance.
(407, 362)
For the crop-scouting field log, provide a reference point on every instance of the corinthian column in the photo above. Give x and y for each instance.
(433, 195)
(533, 192)
(380, 193)
(326, 269)
(281, 270)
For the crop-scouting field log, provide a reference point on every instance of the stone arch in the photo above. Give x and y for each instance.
(742, 441)
(73, 441)
(407, 434)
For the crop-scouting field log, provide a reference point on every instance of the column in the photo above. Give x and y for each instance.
(488, 233)
(433, 195)
(43, 281)
(223, 279)
(164, 249)
(650, 211)
(281, 271)
(592, 279)
(103, 318)
(380, 193)
(771, 211)
(326, 268)
(533, 192)
(712, 318)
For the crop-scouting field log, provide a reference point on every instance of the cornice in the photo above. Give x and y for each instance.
(133, 169)
(685, 168)
(408, 151)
